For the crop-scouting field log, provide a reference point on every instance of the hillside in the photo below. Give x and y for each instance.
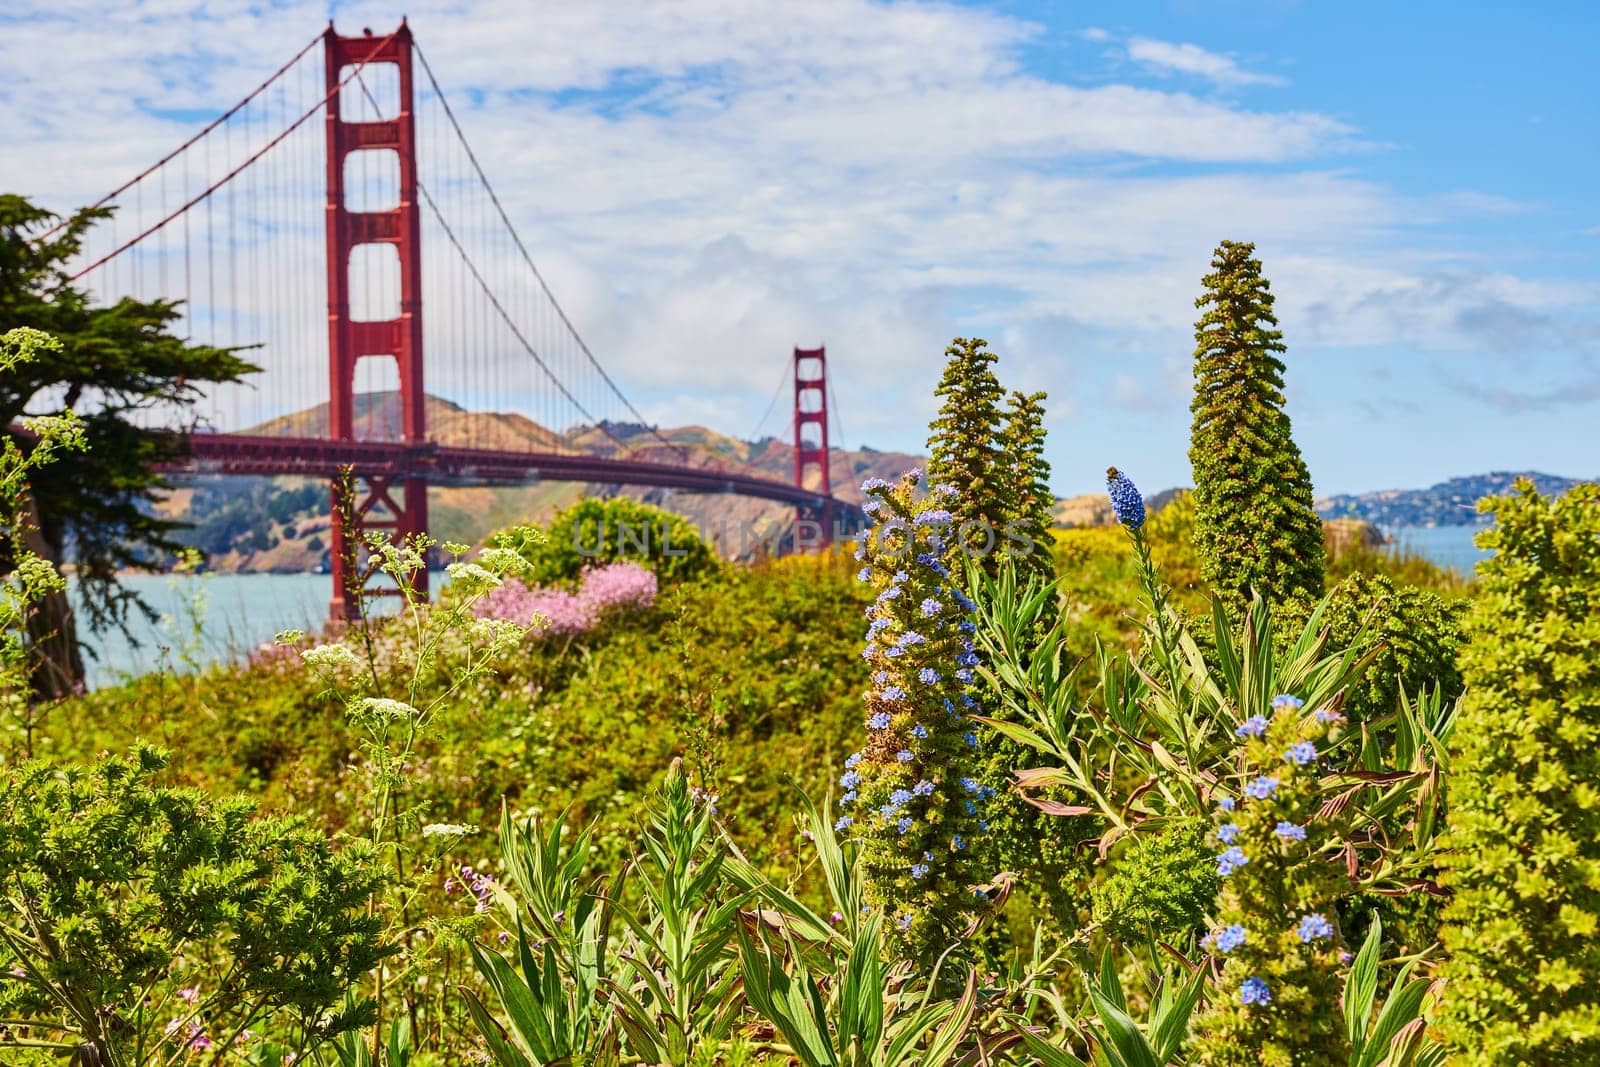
(281, 524)
(1450, 503)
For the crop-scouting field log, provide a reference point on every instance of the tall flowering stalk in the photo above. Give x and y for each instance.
(1128, 505)
(910, 793)
(1255, 527)
(1276, 935)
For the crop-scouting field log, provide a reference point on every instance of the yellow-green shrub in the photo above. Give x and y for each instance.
(1523, 845)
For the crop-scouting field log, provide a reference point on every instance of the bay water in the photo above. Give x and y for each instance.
(216, 618)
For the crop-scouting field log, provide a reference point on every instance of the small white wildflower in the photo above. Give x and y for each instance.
(331, 658)
(502, 561)
(383, 707)
(499, 634)
(470, 579)
(289, 637)
(446, 829)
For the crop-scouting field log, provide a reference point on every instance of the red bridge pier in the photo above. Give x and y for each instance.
(395, 504)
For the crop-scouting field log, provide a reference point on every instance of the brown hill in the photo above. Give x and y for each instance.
(262, 532)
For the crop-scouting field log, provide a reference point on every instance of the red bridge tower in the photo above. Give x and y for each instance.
(396, 504)
(811, 448)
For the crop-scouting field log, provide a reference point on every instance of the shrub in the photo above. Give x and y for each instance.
(594, 531)
(160, 919)
(1419, 631)
(1161, 887)
(1523, 839)
(1254, 528)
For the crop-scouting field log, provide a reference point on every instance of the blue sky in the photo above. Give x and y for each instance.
(708, 184)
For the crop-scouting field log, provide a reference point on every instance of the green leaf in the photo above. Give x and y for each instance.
(1361, 986)
(1121, 1037)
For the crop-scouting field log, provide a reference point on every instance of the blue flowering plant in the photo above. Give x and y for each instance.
(910, 793)
(1161, 723)
(1275, 937)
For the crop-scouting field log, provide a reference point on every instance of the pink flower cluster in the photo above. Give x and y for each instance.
(613, 587)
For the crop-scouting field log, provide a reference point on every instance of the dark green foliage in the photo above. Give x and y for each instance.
(1255, 528)
(965, 448)
(1420, 633)
(593, 531)
(1522, 851)
(125, 358)
(1031, 513)
(132, 890)
(1161, 887)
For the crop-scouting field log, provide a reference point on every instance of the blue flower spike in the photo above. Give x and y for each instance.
(1125, 499)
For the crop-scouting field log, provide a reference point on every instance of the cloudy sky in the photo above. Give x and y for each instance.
(708, 183)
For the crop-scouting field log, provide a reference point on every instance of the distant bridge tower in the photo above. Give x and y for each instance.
(811, 437)
(393, 501)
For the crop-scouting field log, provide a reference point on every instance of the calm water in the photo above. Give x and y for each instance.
(1448, 546)
(213, 618)
(210, 618)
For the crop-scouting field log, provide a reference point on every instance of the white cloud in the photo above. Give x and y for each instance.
(1177, 58)
(706, 186)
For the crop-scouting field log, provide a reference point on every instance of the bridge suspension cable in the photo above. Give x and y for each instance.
(230, 175)
(190, 143)
(522, 250)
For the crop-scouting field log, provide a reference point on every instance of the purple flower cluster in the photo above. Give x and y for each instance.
(1300, 753)
(1262, 788)
(1229, 938)
(1314, 927)
(612, 587)
(475, 884)
(1254, 991)
(1254, 726)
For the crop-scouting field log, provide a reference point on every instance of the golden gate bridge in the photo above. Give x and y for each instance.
(509, 391)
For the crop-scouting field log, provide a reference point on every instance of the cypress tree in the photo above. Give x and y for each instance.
(1032, 502)
(1255, 527)
(965, 447)
(1522, 851)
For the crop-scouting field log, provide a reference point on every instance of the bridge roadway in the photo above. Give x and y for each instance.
(323, 457)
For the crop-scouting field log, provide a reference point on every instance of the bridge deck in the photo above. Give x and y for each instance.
(323, 457)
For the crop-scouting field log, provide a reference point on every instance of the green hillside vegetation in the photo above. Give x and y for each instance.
(722, 670)
(1172, 796)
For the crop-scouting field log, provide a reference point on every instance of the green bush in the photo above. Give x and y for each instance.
(593, 531)
(1523, 842)
(1161, 887)
(1420, 634)
(148, 905)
